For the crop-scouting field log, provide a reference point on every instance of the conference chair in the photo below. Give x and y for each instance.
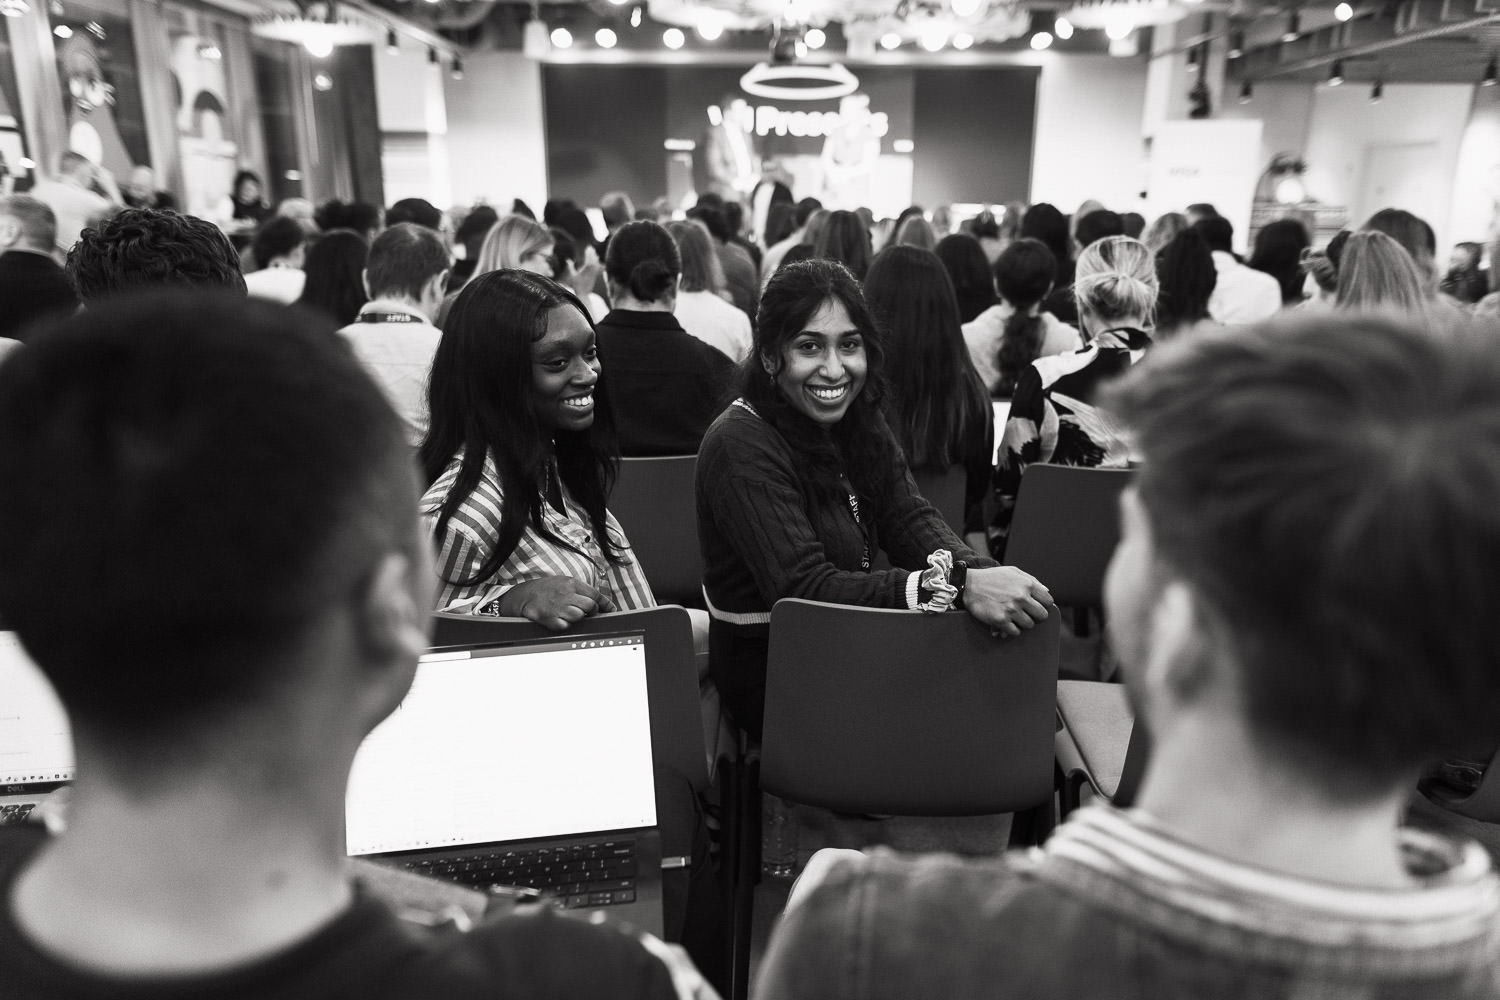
(871, 710)
(654, 502)
(1098, 744)
(945, 491)
(1065, 528)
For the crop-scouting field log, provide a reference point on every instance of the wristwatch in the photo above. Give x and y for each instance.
(958, 579)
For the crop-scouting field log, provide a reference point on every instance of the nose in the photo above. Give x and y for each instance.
(584, 373)
(833, 367)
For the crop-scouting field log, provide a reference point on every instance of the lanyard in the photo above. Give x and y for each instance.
(864, 556)
(389, 318)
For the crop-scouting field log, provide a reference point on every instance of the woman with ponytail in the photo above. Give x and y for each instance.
(1053, 417)
(1008, 336)
(667, 384)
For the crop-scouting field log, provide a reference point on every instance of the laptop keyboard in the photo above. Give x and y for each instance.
(598, 874)
(11, 814)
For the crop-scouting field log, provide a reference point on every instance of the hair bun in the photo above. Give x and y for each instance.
(651, 279)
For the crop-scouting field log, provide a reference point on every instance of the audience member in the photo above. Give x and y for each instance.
(1320, 287)
(140, 191)
(796, 255)
(1164, 230)
(617, 209)
(1464, 282)
(1278, 252)
(335, 275)
(393, 336)
(247, 201)
(845, 240)
(703, 308)
(780, 223)
(1312, 494)
(734, 217)
(578, 271)
(1415, 236)
(300, 211)
(141, 248)
(468, 240)
(772, 260)
(937, 406)
(1045, 223)
(916, 232)
(969, 270)
(1055, 416)
(513, 242)
(360, 216)
(1186, 279)
(1198, 211)
(985, 228)
(1097, 225)
(1376, 273)
(740, 275)
(666, 384)
(72, 198)
(1134, 224)
(258, 597)
(799, 478)
(1006, 338)
(279, 250)
(1242, 295)
(417, 210)
(33, 288)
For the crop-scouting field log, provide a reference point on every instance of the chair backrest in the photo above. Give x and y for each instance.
(874, 710)
(1065, 527)
(1137, 754)
(654, 502)
(945, 491)
(671, 673)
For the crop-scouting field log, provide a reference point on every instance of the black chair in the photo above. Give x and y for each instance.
(1098, 744)
(654, 502)
(1065, 528)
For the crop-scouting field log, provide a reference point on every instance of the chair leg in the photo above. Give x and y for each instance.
(746, 874)
(1031, 827)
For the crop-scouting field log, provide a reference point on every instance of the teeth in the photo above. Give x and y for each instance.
(829, 394)
(580, 401)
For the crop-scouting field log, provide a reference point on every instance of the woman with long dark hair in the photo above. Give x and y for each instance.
(969, 268)
(845, 239)
(520, 456)
(937, 406)
(800, 481)
(335, 269)
(1186, 278)
(1278, 252)
(1011, 334)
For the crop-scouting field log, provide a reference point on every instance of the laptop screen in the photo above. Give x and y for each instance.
(538, 739)
(35, 742)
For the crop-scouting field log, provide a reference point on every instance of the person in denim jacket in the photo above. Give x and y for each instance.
(1309, 558)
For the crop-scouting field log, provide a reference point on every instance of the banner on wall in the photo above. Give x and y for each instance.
(1217, 162)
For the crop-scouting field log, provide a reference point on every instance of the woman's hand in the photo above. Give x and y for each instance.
(554, 602)
(1006, 599)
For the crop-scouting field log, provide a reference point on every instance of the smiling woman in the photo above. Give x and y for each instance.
(800, 482)
(519, 458)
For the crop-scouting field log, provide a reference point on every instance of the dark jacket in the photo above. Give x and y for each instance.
(32, 288)
(666, 385)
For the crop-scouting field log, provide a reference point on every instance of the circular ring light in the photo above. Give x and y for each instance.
(827, 82)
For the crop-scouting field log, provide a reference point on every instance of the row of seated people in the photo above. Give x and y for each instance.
(822, 335)
(1313, 496)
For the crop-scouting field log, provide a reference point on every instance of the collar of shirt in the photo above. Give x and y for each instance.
(641, 320)
(394, 306)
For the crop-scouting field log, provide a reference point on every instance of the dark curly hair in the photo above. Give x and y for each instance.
(142, 248)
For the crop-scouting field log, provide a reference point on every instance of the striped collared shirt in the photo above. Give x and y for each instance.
(473, 531)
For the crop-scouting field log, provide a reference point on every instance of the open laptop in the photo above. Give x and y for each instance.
(523, 764)
(36, 745)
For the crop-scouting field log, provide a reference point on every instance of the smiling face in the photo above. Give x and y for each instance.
(823, 367)
(564, 371)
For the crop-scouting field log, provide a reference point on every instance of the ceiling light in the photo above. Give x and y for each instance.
(636, 13)
(1336, 73)
(1119, 29)
(965, 8)
(318, 45)
(963, 40)
(1343, 11)
(561, 38)
(1491, 74)
(605, 38)
(932, 39)
(791, 83)
(1236, 44)
(1041, 40)
(1377, 92)
(710, 28)
(63, 31)
(815, 38)
(457, 69)
(322, 81)
(392, 43)
(890, 40)
(534, 41)
(210, 51)
(1247, 92)
(618, 3)
(673, 38)
(1062, 28)
(1293, 28)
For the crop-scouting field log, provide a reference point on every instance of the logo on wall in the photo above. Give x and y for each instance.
(768, 119)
